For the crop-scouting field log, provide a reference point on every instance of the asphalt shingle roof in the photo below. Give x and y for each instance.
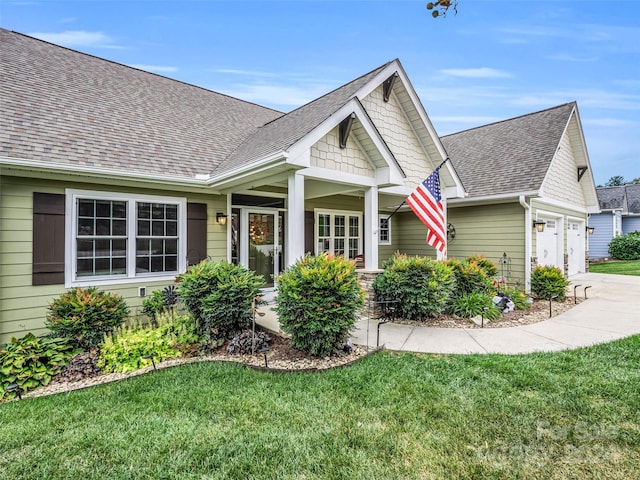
(510, 156)
(283, 132)
(613, 198)
(610, 198)
(69, 108)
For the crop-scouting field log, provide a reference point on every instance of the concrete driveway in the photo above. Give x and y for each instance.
(611, 311)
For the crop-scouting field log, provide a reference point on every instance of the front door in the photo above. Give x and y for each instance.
(264, 244)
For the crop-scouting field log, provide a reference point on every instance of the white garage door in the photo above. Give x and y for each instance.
(547, 244)
(575, 247)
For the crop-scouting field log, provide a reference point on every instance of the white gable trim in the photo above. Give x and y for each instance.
(396, 67)
(391, 173)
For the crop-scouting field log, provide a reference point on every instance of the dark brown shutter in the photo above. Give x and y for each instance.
(48, 239)
(196, 232)
(309, 232)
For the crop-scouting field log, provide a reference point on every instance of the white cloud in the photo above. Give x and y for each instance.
(277, 96)
(248, 73)
(483, 72)
(155, 68)
(584, 97)
(607, 122)
(571, 58)
(77, 38)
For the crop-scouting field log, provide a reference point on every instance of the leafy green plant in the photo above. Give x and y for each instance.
(32, 362)
(489, 267)
(548, 281)
(159, 301)
(85, 315)
(420, 285)
(520, 299)
(124, 349)
(470, 277)
(220, 296)
(468, 305)
(625, 247)
(317, 302)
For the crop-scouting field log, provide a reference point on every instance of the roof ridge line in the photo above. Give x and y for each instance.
(573, 102)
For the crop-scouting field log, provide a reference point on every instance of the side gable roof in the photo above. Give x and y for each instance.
(611, 198)
(63, 107)
(623, 197)
(511, 156)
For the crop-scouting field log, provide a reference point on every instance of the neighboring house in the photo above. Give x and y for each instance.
(115, 177)
(533, 168)
(620, 214)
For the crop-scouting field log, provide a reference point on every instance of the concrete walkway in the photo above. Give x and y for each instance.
(612, 311)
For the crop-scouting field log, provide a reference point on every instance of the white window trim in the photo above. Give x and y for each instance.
(380, 241)
(346, 213)
(130, 277)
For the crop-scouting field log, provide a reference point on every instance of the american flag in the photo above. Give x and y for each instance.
(426, 203)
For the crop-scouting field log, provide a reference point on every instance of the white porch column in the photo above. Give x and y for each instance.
(295, 219)
(371, 228)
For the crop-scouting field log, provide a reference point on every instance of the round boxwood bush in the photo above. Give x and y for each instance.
(626, 247)
(85, 315)
(421, 286)
(220, 297)
(317, 302)
(548, 281)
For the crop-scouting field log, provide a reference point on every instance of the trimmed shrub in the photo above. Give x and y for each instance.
(85, 315)
(626, 247)
(468, 305)
(220, 296)
(420, 285)
(317, 302)
(470, 277)
(547, 281)
(489, 267)
(122, 350)
(32, 362)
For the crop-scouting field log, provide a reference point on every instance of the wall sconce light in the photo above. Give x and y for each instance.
(221, 218)
(539, 225)
(590, 230)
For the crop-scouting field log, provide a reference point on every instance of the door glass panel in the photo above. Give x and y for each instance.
(262, 245)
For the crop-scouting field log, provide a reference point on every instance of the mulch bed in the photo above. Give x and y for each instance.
(283, 357)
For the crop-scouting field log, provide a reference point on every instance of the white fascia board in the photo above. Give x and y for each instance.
(326, 174)
(300, 148)
(566, 205)
(250, 169)
(489, 199)
(400, 190)
(101, 173)
(422, 113)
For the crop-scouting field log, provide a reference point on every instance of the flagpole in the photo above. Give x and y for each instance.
(403, 202)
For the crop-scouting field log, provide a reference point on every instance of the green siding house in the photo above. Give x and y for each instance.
(530, 192)
(118, 178)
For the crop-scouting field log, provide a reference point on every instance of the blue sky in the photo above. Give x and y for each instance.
(495, 59)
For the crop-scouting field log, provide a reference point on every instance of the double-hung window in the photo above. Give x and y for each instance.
(339, 232)
(116, 238)
(384, 230)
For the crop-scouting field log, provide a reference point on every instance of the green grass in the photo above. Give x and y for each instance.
(560, 415)
(629, 267)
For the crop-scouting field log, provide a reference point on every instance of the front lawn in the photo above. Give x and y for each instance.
(629, 267)
(556, 415)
